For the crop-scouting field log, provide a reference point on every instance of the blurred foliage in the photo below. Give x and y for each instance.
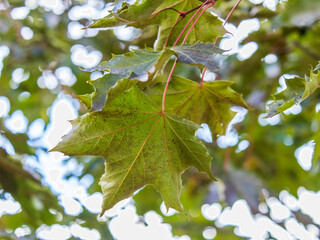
(291, 34)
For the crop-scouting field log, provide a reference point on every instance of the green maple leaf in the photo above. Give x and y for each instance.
(209, 103)
(207, 29)
(139, 15)
(102, 86)
(205, 55)
(127, 14)
(298, 89)
(137, 62)
(122, 69)
(141, 145)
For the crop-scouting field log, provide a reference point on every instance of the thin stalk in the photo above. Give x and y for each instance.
(203, 10)
(186, 26)
(179, 20)
(167, 84)
(203, 73)
(228, 17)
(182, 16)
(171, 7)
(230, 13)
(175, 62)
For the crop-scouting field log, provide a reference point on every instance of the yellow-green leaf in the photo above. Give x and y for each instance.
(209, 103)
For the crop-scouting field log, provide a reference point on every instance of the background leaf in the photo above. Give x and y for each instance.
(298, 89)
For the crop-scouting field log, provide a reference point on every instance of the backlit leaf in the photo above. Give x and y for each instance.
(141, 146)
(127, 14)
(209, 103)
(207, 29)
(298, 89)
(140, 15)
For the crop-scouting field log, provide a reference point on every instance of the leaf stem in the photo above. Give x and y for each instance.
(167, 84)
(179, 20)
(203, 10)
(211, 3)
(186, 26)
(171, 7)
(203, 73)
(230, 13)
(228, 17)
(182, 16)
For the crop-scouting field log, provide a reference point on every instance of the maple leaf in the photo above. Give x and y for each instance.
(209, 103)
(102, 86)
(298, 89)
(207, 29)
(205, 55)
(127, 13)
(122, 69)
(137, 62)
(141, 145)
(139, 15)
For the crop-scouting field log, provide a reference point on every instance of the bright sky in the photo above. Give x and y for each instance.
(73, 195)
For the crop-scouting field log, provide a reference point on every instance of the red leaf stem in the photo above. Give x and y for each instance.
(211, 3)
(203, 73)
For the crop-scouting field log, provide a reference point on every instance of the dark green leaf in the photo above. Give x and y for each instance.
(141, 145)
